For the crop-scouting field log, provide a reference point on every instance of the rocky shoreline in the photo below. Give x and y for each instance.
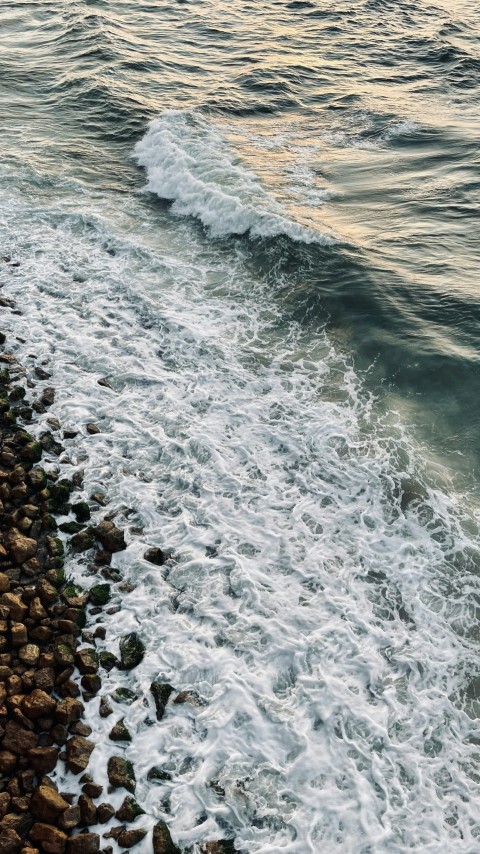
(49, 664)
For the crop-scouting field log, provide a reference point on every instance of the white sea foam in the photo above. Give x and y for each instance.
(329, 631)
(188, 162)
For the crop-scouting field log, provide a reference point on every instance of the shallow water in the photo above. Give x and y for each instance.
(258, 221)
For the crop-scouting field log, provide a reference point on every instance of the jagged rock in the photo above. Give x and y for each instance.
(161, 693)
(31, 453)
(81, 510)
(87, 660)
(129, 810)
(4, 803)
(105, 709)
(100, 594)
(132, 650)
(84, 843)
(70, 818)
(155, 555)
(129, 838)
(88, 810)
(17, 739)
(18, 609)
(4, 583)
(29, 654)
(108, 660)
(121, 774)
(47, 804)
(48, 396)
(104, 813)
(50, 838)
(156, 773)
(93, 790)
(119, 732)
(38, 704)
(43, 759)
(21, 548)
(69, 710)
(162, 841)
(10, 841)
(78, 753)
(111, 537)
(83, 541)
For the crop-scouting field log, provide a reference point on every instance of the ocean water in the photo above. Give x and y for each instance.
(259, 222)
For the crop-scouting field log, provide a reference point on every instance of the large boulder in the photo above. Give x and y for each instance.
(10, 841)
(47, 804)
(17, 739)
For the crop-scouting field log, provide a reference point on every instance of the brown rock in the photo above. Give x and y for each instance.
(84, 843)
(78, 753)
(21, 548)
(36, 610)
(17, 608)
(17, 739)
(19, 634)
(86, 660)
(4, 803)
(111, 537)
(70, 818)
(162, 841)
(92, 429)
(50, 838)
(47, 804)
(8, 761)
(88, 810)
(69, 710)
(37, 704)
(104, 813)
(10, 842)
(4, 583)
(129, 838)
(44, 678)
(29, 654)
(129, 810)
(93, 790)
(120, 773)
(43, 759)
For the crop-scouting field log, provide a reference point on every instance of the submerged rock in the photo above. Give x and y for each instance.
(132, 650)
(155, 555)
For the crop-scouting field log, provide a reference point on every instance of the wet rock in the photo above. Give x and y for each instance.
(37, 704)
(222, 846)
(17, 739)
(69, 710)
(87, 660)
(84, 843)
(129, 838)
(129, 810)
(8, 761)
(105, 708)
(10, 841)
(161, 693)
(99, 498)
(162, 841)
(108, 660)
(100, 594)
(83, 541)
(88, 810)
(48, 396)
(15, 605)
(43, 759)
(156, 773)
(29, 654)
(104, 813)
(132, 651)
(121, 774)
(79, 750)
(70, 818)
(21, 548)
(93, 429)
(119, 732)
(155, 555)
(93, 790)
(47, 804)
(51, 839)
(81, 511)
(81, 729)
(111, 537)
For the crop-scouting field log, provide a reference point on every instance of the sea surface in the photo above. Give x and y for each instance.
(260, 222)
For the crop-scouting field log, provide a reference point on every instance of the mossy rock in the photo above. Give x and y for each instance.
(100, 594)
(156, 774)
(161, 692)
(31, 453)
(56, 576)
(55, 547)
(124, 695)
(81, 511)
(83, 541)
(121, 774)
(162, 840)
(132, 650)
(71, 527)
(129, 810)
(9, 418)
(119, 732)
(37, 479)
(107, 660)
(60, 491)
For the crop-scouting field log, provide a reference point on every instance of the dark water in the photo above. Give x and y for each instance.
(289, 316)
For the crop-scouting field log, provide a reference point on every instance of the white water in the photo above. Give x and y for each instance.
(330, 635)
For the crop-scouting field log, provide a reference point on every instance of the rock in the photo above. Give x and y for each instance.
(93, 429)
(79, 750)
(31, 452)
(105, 709)
(8, 761)
(81, 729)
(83, 541)
(17, 739)
(50, 838)
(29, 654)
(121, 774)
(38, 704)
(10, 841)
(69, 710)
(132, 651)
(81, 510)
(222, 846)
(111, 537)
(162, 841)
(108, 660)
(155, 555)
(43, 759)
(17, 608)
(124, 695)
(156, 773)
(70, 818)
(86, 660)
(22, 548)
(104, 813)
(129, 810)
(100, 594)
(84, 843)
(4, 803)
(47, 804)
(48, 396)
(161, 693)
(120, 732)
(88, 810)
(129, 838)
(93, 790)
(4, 583)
